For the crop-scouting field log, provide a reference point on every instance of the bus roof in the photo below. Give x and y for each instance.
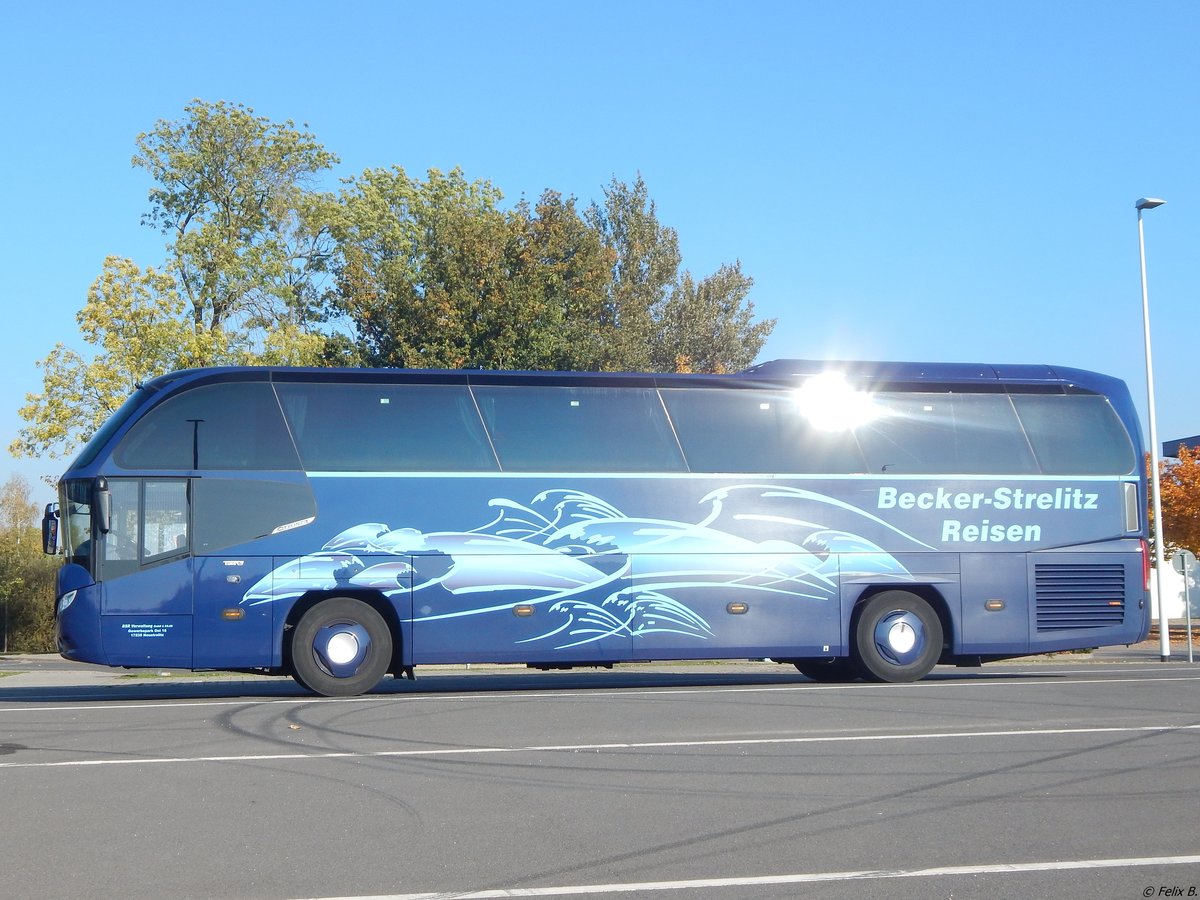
(897, 375)
(936, 373)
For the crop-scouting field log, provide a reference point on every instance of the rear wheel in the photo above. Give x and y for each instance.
(341, 647)
(897, 637)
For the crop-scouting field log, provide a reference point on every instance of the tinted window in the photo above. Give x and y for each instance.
(229, 512)
(123, 538)
(236, 425)
(386, 428)
(1076, 434)
(567, 429)
(938, 433)
(111, 425)
(755, 431)
(148, 522)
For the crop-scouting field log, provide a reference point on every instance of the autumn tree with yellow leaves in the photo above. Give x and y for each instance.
(1179, 482)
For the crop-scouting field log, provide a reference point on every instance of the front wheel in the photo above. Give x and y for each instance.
(897, 637)
(341, 647)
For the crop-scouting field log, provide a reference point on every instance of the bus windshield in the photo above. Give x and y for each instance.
(76, 512)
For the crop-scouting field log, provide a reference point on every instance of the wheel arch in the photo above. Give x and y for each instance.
(375, 599)
(927, 592)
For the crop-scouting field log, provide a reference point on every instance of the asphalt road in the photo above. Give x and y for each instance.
(1055, 779)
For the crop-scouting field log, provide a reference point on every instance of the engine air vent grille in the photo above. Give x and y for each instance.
(1070, 597)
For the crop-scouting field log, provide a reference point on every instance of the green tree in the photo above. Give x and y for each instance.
(560, 266)
(392, 234)
(644, 258)
(237, 286)
(435, 274)
(26, 574)
(656, 318)
(709, 326)
(231, 193)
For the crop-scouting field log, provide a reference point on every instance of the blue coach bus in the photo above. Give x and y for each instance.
(852, 519)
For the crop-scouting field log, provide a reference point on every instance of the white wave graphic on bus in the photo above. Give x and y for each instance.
(600, 573)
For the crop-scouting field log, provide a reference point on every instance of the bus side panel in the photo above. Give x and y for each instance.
(987, 578)
(547, 607)
(159, 590)
(229, 630)
(147, 618)
(685, 606)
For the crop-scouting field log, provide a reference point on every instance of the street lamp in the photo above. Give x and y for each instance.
(1164, 637)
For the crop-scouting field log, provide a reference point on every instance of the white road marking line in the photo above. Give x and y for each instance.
(600, 748)
(807, 878)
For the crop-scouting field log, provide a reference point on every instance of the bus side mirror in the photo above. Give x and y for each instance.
(50, 529)
(103, 508)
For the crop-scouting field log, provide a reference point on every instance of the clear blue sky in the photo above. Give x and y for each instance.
(911, 180)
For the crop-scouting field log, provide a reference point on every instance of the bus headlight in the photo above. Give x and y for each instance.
(66, 600)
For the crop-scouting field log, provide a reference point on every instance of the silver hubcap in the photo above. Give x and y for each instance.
(902, 637)
(342, 648)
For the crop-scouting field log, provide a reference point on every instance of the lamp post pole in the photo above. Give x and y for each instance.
(1164, 636)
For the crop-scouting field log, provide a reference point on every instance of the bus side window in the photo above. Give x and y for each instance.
(120, 543)
(1076, 434)
(410, 428)
(235, 426)
(938, 433)
(760, 431)
(165, 529)
(579, 429)
(149, 522)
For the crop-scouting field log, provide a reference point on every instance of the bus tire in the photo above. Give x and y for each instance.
(827, 670)
(341, 647)
(897, 637)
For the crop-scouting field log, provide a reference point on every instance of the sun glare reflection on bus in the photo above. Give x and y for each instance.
(829, 403)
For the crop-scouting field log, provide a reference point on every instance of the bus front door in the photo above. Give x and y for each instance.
(230, 630)
(146, 574)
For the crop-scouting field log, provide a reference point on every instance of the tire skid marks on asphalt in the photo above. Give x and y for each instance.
(609, 747)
